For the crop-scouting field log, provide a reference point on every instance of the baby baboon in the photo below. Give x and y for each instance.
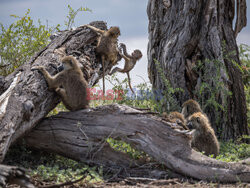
(69, 84)
(190, 107)
(107, 46)
(130, 61)
(203, 136)
(177, 117)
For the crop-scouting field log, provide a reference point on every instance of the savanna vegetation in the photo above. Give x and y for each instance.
(23, 38)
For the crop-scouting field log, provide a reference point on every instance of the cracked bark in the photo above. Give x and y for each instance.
(187, 32)
(25, 98)
(82, 136)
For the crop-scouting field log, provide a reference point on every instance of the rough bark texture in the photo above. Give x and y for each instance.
(81, 135)
(183, 33)
(26, 98)
(14, 175)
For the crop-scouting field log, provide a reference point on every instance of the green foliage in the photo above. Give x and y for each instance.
(61, 169)
(72, 14)
(208, 93)
(244, 52)
(168, 103)
(23, 38)
(232, 152)
(126, 148)
(52, 168)
(20, 41)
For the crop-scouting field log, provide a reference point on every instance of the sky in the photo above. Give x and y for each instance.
(129, 15)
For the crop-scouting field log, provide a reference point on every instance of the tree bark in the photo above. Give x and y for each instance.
(82, 136)
(183, 34)
(14, 175)
(25, 98)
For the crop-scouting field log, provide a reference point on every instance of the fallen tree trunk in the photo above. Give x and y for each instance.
(82, 135)
(14, 175)
(25, 98)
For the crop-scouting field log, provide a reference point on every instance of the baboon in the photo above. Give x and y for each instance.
(176, 117)
(107, 46)
(130, 61)
(69, 84)
(203, 136)
(190, 107)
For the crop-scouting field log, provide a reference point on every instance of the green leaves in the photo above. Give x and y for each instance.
(72, 14)
(21, 40)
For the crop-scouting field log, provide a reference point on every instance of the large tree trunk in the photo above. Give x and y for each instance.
(82, 136)
(25, 98)
(186, 33)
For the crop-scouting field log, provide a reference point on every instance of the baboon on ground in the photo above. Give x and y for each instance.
(203, 136)
(69, 84)
(107, 46)
(130, 61)
(190, 107)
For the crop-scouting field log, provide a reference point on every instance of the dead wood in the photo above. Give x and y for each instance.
(82, 136)
(14, 175)
(25, 98)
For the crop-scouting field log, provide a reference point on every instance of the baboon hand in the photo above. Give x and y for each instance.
(37, 68)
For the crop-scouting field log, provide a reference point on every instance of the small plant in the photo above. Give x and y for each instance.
(168, 102)
(126, 148)
(72, 14)
(20, 41)
(232, 152)
(244, 51)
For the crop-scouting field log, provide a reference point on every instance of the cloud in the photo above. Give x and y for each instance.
(243, 38)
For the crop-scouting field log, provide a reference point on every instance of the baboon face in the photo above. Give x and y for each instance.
(115, 31)
(67, 65)
(196, 121)
(137, 54)
(191, 124)
(67, 62)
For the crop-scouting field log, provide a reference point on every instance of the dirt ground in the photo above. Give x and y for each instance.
(144, 183)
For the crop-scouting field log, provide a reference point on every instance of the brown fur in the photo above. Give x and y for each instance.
(130, 61)
(69, 84)
(107, 46)
(190, 107)
(203, 137)
(177, 117)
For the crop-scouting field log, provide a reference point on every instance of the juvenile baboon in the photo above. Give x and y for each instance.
(69, 84)
(130, 61)
(190, 107)
(178, 118)
(107, 46)
(203, 136)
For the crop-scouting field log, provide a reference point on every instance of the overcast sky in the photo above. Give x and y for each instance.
(129, 15)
